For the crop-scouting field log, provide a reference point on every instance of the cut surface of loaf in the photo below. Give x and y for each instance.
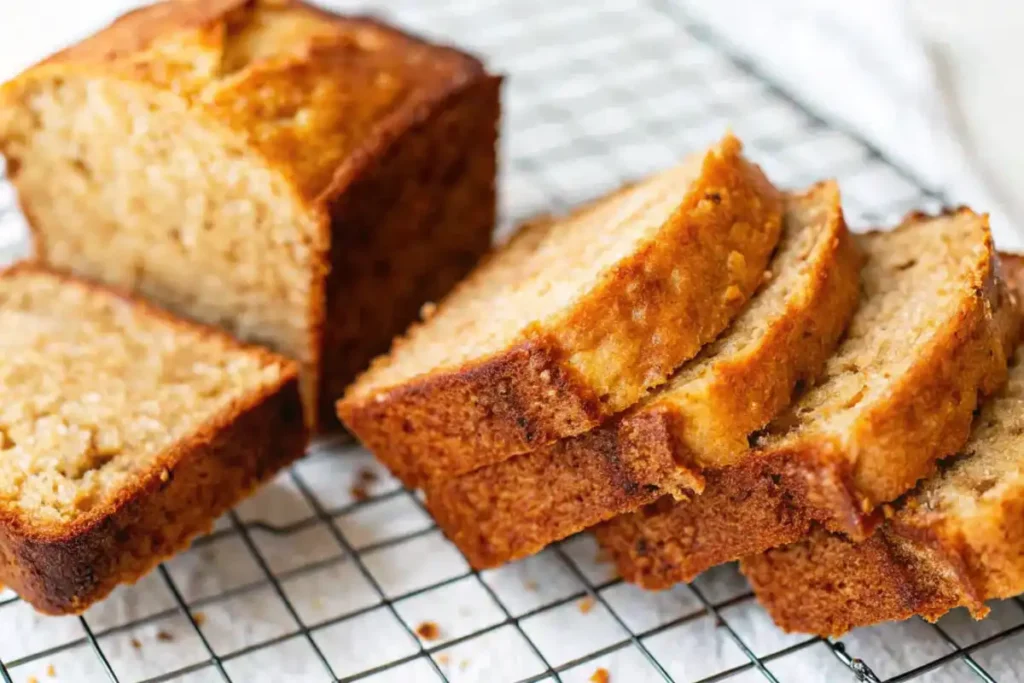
(702, 415)
(123, 434)
(261, 165)
(955, 541)
(572, 321)
(931, 334)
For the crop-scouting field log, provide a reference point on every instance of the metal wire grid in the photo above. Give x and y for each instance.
(597, 95)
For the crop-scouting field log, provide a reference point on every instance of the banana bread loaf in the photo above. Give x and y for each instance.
(304, 180)
(956, 541)
(572, 321)
(700, 418)
(124, 433)
(933, 331)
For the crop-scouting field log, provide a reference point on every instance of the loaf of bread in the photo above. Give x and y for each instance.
(124, 433)
(304, 180)
(956, 541)
(699, 418)
(932, 333)
(572, 321)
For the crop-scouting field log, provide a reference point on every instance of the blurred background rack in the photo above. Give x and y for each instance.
(335, 573)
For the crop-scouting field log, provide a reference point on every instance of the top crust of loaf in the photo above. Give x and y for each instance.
(572, 321)
(701, 416)
(304, 100)
(852, 442)
(341, 86)
(955, 541)
(88, 481)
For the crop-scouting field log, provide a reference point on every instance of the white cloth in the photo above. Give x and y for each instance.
(860, 63)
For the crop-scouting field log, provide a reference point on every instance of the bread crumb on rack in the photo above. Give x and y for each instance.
(136, 643)
(531, 585)
(51, 671)
(199, 618)
(428, 630)
(586, 604)
(464, 664)
(600, 676)
(164, 636)
(443, 659)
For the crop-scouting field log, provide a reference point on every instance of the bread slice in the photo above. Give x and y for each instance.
(304, 180)
(931, 335)
(956, 541)
(702, 416)
(572, 321)
(124, 433)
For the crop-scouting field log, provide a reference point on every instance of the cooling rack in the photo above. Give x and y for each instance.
(336, 573)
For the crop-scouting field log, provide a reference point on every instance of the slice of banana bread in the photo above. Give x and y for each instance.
(572, 321)
(304, 180)
(124, 433)
(700, 418)
(956, 541)
(932, 333)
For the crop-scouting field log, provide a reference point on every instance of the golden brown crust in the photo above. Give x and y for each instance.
(828, 585)
(451, 421)
(775, 496)
(63, 570)
(397, 88)
(517, 507)
(514, 508)
(926, 559)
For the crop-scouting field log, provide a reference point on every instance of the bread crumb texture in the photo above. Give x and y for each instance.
(573, 320)
(93, 389)
(701, 418)
(931, 338)
(601, 675)
(955, 541)
(189, 152)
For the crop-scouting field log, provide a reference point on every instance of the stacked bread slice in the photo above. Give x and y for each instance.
(723, 372)
(955, 541)
(702, 414)
(572, 321)
(931, 335)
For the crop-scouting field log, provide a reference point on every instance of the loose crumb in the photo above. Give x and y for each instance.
(164, 636)
(32, 679)
(199, 618)
(136, 643)
(464, 664)
(428, 630)
(358, 492)
(601, 676)
(586, 604)
(368, 476)
(531, 586)
(443, 659)
(50, 671)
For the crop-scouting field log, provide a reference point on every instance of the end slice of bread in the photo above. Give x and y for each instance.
(956, 541)
(572, 321)
(935, 325)
(699, 418)
(124, 433)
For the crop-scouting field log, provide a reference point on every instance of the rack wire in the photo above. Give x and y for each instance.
(312, 580)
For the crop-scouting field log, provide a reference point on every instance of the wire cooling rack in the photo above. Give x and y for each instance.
(335, 573)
